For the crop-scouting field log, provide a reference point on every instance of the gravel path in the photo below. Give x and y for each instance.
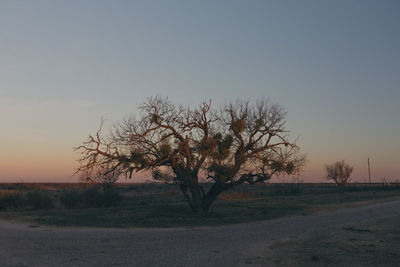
(232, 245)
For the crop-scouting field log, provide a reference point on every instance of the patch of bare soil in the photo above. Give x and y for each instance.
(373, 244)
(328, 238)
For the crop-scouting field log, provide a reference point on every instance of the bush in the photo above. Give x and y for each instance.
(94, 197)
(111, 197)
(71, 199)
(38, 200)
(11, 201)
(339, 172)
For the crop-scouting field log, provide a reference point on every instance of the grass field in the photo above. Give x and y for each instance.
(161, 205)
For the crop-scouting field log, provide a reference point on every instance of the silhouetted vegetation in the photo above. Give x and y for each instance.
(339, 172)
(34, 197)
(38, 199)
(11, 200)
(237, 143)
(162, 205)
(71, 199)
(103, 175)
(92, 197)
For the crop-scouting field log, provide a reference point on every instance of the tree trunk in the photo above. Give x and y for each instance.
(196, 199)
(199, 201)
(211, 196)
(193, 196)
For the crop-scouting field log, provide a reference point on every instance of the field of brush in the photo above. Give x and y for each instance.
(163, 205)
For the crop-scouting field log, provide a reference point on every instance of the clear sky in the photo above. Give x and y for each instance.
(335, 66)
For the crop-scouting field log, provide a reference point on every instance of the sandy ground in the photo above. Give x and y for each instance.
(232, 245)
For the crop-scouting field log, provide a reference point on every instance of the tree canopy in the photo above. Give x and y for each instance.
(236, 143)
(339, 172)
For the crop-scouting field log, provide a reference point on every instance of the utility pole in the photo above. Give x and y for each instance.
(298, 175)
(22, 192)
(369, 172)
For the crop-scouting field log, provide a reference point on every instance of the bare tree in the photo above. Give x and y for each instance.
(103, 175)
(339, 172)
(237, 143)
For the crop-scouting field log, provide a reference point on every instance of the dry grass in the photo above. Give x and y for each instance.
(236, 196)
(8, 191)
(161, 205)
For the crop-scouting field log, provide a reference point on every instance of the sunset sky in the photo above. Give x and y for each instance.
(334, 65)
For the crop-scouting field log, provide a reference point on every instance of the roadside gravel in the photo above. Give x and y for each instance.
(231, 245)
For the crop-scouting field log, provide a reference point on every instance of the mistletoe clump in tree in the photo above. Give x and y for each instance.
(238, 143)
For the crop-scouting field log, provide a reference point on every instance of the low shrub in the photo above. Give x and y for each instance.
(99, 197)
(38, 199)
(71, 199)
(11, 201)
(111, 197)
(92, 197)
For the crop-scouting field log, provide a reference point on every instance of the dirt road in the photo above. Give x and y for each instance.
(233, 245)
